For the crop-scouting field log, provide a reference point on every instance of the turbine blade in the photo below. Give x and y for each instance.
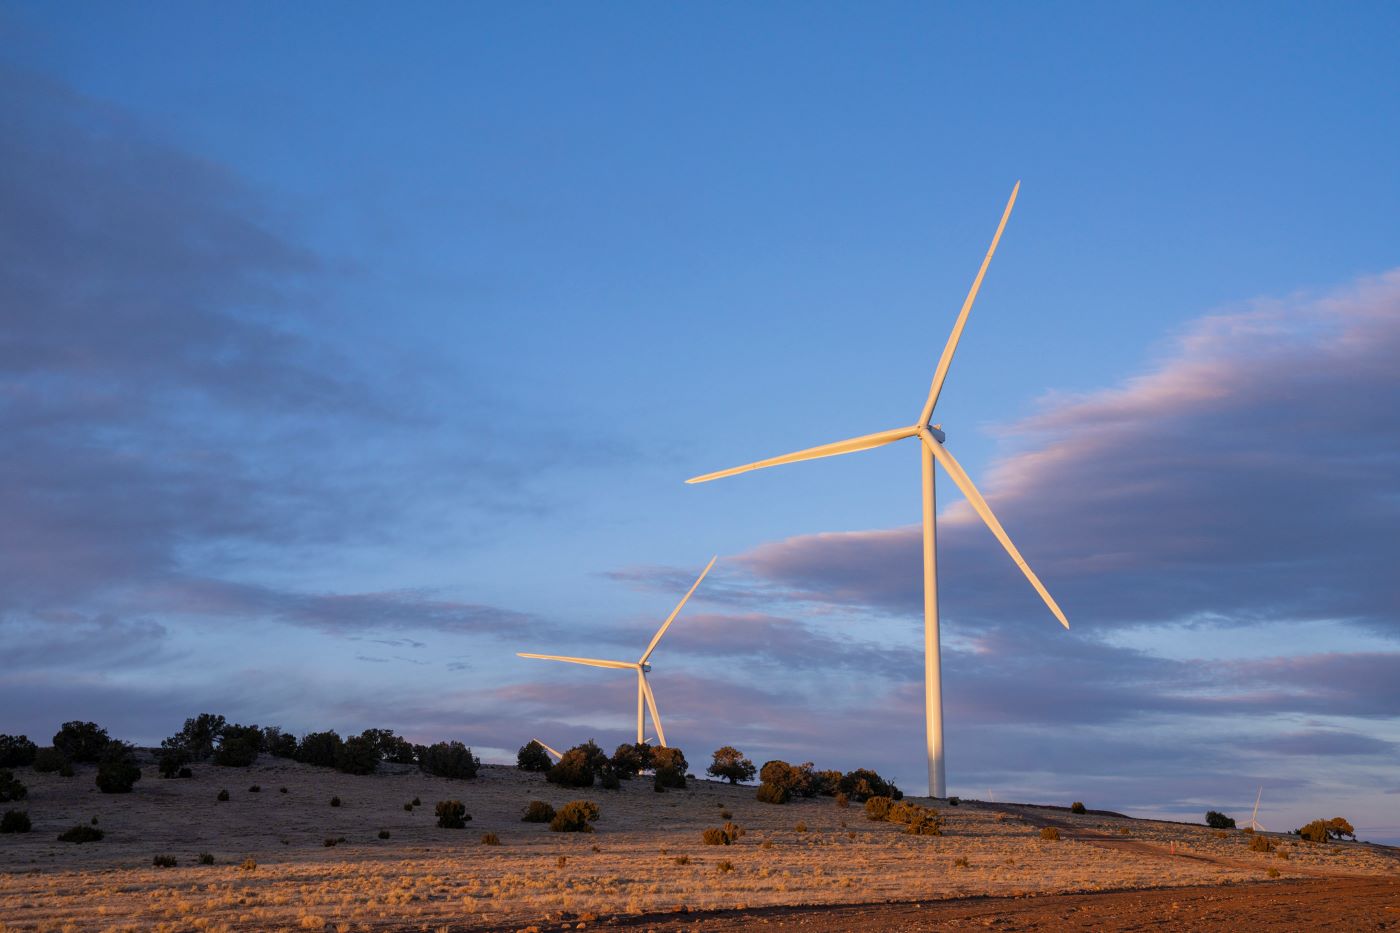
(946, 359)
(960, 477)
(591, 662)
(864, 442)
(548, 749)
(655, 716)
(676, 611)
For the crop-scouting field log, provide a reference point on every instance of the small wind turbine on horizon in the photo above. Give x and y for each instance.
(642, 665)
(931, 438)
(1254, 823)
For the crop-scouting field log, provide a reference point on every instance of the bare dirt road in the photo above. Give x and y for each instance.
(1348, 904)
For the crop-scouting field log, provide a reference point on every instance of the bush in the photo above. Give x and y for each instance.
(50, 759)
(255, 789)
(610, 780)
(81, 741)
(490, 839)
(164, 861)
(206, 858)
(117, 772)
(335, 801)
(187, 773)
(449, 760)
(14, 821)
(575, 817)
(319, 748)
(669, 767)
(729, 763)
(537, 812)
(248, 864)
(842, 800)
(408, 807)
(954, 801)
(239, 746)
(1261, 844)
(451, 814)
(773, 793)
(388, 746)
(724, 866)
(196, 739)
(630, 760)
(1050, 832)
(357, 755)
(1076, 807)
(383, 834)
(723, 836)
(532, 757)
(862, 784)
(1322, 830)
(922, 821)
(279, 744)
(81, 833)
(11, 787)
(171, 760)
(572, 770)
(223, 796)
(16, 751)
(877, 808)
(1217, 820)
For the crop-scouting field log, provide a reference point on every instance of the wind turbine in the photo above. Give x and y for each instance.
(1254, 823)
(552, 752)
(642, 665)
(931, 446)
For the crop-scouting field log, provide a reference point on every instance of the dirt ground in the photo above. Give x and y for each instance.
(806, 863)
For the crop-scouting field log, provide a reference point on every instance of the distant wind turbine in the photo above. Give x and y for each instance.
(642, 665)
(1254, 823)
(932, 448)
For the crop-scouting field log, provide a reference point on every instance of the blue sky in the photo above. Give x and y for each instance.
(344, 353)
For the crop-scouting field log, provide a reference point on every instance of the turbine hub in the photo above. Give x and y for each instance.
(937, 431)
(646, 667)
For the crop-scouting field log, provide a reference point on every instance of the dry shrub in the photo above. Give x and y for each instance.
(537, 811)
(724, 867)
(726, 815)
(1248, 830)
(1261, 844)
(575, 817)
(1050, 832)
(1076, 807)
(205, 858)
(1220, 834)
(801, 827)
(925, 821)
(561, 861)
(961, 862)
(877, 808)
(1283, 855)
(490, 839)
(842, 800)
(766, 844)
(164, 861)
(1124, 831)
(773, 793)
(248, 864)
(81, 833)
(1273, 872)
(681, 860)
(723, 836)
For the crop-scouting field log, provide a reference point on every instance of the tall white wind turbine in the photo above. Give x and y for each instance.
(642, 665)
(1254, 823)
(931, 446)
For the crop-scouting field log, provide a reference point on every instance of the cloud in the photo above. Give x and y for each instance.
(1253, 475)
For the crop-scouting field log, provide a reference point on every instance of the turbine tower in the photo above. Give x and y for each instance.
(931, 447)
(642, 665)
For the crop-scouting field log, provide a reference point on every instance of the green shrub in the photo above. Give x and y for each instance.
(319, 748)
(1049, 832)
(1217, 820)
(117, 772)
(16, 751)
(954, 801)
(668, 767)
(358, 755)
(335, 801)
(238, 746)
(537, 812)
(490, 839)
(171, 760)
(81, 741)
(11, 787)
(449, 760)
(452, 814)
(389, 746)
(877, 808)
(532, 757)
(572, 770)
(197, 738)
(164, 861)
(610, 780)
(773, 793)
(81, 833)
(51, 759)
(279, 744)
(255, 789)
(862, 784)
(14, 821)
(206, 858)
(1076, 807)
(575, 817)
(729, 763)
(223, 795)
(416, 802)
(630, 760)
(383, 834)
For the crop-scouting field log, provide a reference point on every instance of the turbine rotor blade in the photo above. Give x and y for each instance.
(946, 360)
(979, 505)
(548, 749)
(676, 611)
(851, 445)
(591, 662)
(655, 716)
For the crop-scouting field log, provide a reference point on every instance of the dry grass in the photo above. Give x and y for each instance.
(427, 878)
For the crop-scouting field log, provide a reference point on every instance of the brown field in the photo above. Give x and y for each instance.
(645, 865)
